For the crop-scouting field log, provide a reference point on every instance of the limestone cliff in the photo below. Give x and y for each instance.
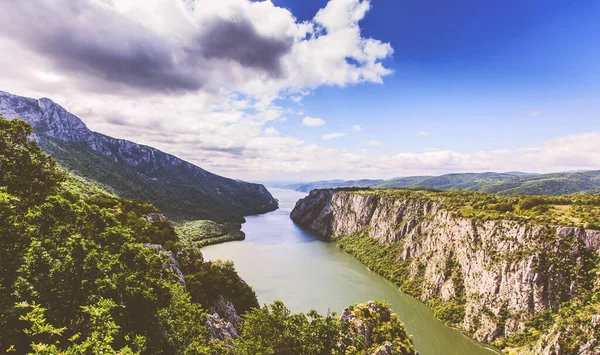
(504, 272)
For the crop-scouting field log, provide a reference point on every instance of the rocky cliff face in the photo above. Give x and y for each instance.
(180, 189)
(509, 271)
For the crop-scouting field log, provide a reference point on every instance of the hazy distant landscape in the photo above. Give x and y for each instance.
(513, 183)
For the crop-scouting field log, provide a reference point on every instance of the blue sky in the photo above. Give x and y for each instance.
(306, 90)
(476, 75)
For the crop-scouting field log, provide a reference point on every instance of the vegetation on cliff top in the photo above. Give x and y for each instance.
(496, 183)
(577, 210)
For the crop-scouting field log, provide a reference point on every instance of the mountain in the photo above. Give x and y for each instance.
(511, 183)
(180, 189)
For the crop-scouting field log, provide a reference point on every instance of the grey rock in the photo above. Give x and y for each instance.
(498, 277)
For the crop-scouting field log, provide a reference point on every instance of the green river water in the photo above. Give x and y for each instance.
(284, 262)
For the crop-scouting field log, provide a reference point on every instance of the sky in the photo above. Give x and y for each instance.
(305, 90)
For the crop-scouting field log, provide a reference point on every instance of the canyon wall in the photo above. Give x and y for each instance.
(508, 271)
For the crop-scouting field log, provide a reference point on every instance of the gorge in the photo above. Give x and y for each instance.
(497, 276)
(285, 262)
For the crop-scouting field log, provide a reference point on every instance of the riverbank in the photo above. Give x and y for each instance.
(285, 262)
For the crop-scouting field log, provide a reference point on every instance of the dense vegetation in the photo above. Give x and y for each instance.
(80, 266)
(496, 183)
(362, 329)
(182, 192)
(205, 232)
(85, 272)
(578, 210)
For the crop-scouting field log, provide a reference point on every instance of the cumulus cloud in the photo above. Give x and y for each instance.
(170, 46)
(332, 135)
(356, 128)
(270, 131)
(375, 143)
(312, 121)
(201, 79)
(423, 133)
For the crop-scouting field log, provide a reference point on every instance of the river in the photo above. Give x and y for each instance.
(284, 262)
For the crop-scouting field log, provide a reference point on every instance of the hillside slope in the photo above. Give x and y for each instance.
(513, 183)
(180, 189)
(517, 272)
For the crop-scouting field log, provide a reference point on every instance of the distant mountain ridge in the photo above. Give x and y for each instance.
(180, 189)
(511, 183)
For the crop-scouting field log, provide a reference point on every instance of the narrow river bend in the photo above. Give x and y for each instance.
(284, 262)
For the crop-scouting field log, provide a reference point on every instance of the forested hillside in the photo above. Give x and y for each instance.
(181, 190)
(497, 183)
(85, 272)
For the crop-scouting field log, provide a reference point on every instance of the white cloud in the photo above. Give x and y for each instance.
(534, 113)
(375, 143)
(270, 131)
(296, 99)
(332, 135)
(312, 121)
(423, 133)
(356, 128)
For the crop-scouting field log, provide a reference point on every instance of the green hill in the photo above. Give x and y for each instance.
(513, 183)
(180, 189)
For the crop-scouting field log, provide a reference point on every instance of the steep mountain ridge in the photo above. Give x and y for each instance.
(490, 278)
(180, 189)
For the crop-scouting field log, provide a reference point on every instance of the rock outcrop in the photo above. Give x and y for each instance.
(509, 270)
(366, 324)
(178, 188)
(173, 264)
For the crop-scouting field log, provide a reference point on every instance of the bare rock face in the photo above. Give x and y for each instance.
(155, 217)
(227, 311)
(173, 265)
(219, 328)
(510, 270)
(364, 324)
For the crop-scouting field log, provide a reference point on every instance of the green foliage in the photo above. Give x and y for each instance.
(509, 184)
(79, 261)
(24, 170)
(99, 340)
(386, 328)
(219, 278)
(383, 259)
(205, 232)
(273, 329)
(450, 313)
